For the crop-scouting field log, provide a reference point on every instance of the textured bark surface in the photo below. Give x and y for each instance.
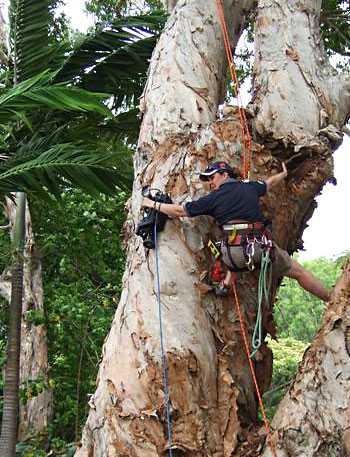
(211, 393)
(299, 99)
(35, 414)
(187, 71)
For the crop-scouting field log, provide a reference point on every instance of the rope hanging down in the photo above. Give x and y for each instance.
(163, 357)
(246, 165)
(246, 137)
(264, 287)
(252, 369)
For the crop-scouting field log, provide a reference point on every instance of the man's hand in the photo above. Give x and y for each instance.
(147, 203)
(275, 179)
(169, 209)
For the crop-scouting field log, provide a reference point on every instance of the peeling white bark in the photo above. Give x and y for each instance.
(186, 75)
(296, 91)
(36, 413)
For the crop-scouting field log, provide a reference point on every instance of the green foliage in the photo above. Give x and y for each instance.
(55, 129)
(287, 353)
(114, 58)
(36, 93)
(95, 168)
(108, 10)
(31, 389)
(83, 262)
(29, 37)
(298, 314)
(35, 317)
(335, 26)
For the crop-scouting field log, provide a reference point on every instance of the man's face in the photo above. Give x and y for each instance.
(216, 180)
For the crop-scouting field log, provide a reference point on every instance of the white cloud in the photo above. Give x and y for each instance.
(79, 18)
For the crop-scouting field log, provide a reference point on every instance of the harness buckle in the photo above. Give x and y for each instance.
(232, 236)
(250, 251)
(213, 249)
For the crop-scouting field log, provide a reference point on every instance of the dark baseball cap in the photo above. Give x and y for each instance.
(218, 167)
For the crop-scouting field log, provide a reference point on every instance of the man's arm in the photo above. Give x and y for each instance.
(275, 179)
(170, 209)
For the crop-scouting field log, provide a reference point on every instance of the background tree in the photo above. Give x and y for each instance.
(297, 113)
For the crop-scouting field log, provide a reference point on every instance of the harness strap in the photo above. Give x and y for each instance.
(244, 226)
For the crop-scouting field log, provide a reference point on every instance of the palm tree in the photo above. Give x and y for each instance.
(56, 132)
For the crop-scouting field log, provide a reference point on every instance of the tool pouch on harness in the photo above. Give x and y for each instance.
(242, 251)
(145, 227)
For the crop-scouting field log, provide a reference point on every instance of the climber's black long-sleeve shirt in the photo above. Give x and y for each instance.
(234, 200)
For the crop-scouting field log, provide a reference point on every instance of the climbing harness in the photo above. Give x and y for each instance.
(251, 366)
(163, 357)
(246, 137)
(152, 220)
(251, 249)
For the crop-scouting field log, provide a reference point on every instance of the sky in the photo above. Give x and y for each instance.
(328, 231)
(80, 20)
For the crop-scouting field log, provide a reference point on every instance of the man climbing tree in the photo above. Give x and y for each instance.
(299, 107)
(235, 206)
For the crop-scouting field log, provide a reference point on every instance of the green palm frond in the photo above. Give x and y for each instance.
(29, 37)
(36, 94)
(57, 131)
(125, 125)
(88, 166)
(115, 59)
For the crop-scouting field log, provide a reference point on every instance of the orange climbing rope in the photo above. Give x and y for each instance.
(246, 165)
(246, 137)
(251, 366)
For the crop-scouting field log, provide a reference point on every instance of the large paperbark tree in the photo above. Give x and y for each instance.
(299, 106)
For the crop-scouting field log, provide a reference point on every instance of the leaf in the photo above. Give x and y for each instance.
(29, 37)
(115, 58)
(93, 170)
(36, 94)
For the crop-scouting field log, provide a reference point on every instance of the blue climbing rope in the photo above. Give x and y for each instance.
(164, 361)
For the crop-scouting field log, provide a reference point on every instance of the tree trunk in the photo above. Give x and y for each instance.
(35, 413)
(8, 438)
(212, 396)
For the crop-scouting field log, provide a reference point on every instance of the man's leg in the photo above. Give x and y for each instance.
(308, 281)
